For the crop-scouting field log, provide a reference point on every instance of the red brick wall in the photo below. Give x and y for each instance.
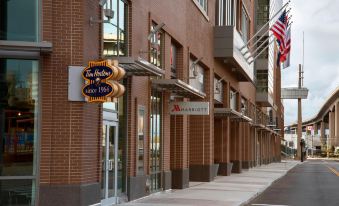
(70, 131)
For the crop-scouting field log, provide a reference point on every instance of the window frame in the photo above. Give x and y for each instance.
(38, 21)
(202, 8)
(117, 26)
(34, 56)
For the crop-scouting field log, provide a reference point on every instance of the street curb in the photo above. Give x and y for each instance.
(270, 184)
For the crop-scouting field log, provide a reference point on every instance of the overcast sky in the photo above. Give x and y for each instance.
(319, 19)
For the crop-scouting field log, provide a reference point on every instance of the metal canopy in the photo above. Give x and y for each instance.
(260, 126)
(42, 47)
(228, 112)
(177, 86)
(139, 67)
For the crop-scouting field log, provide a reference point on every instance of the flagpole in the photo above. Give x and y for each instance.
(252, 53)
(260, 52)
(262, 36)
(264, 26)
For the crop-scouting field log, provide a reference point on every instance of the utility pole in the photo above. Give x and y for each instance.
(299, 131)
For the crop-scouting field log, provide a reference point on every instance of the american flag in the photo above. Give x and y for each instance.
(279, 29)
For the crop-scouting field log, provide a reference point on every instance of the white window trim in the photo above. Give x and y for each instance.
(201, 9)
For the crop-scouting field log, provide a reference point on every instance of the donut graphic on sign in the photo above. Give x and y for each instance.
(101, 81)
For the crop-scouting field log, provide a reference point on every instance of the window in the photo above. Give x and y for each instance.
(245, 24)
(115, 32)
(218, 89)
(225, 13)
(196, 76)
(19, 20)
(155, 141)
(156, 47)
(264, 46)
(262, 12)
(203, 4)
(173, 55)
(18, 130)
(243, 108)
(262, 81)
(233, 100)
(140, 140)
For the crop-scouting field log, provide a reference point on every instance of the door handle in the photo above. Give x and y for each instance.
(110, 165)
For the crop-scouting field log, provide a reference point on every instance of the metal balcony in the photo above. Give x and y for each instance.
(227, 44)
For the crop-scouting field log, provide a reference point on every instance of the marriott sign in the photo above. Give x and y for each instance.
(189, 108)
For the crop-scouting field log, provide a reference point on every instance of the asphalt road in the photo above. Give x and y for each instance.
(315, 182)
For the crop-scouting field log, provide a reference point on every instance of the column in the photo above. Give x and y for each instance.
(336, 123)
(246, 147)
(322, 134)
(236, 147)
(179, 152)
(331, 129)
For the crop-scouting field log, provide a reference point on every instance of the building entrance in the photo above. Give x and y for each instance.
(111, 179)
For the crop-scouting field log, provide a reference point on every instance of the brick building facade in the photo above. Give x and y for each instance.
(173, 52)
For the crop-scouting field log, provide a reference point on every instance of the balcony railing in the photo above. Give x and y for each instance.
(229, 43)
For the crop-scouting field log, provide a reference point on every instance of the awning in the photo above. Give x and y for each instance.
(23, 46)
(139, 67)
(228, 112)
(259, 126)
(177, 86)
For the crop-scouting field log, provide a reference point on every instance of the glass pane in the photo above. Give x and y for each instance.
(115, 37)
(17, 192)
(19, 20)
(18, 116)
(103, 158)
(155, 140)
(111, 161)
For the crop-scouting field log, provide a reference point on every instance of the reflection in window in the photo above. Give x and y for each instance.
(140, 140)
(245, 24)
(173, 56)
(233, 100)
(196, 74)
(115, 33)
(19, 20)
(18, 125)
(156, 46)
(203, 4)
(155, 140)
(262, 81)
(17, 192)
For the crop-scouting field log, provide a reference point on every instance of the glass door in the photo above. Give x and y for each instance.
(111, 165)
(156, 142)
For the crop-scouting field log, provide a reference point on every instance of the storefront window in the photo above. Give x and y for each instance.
(140, 140)
(19, 20)
(115, 32)
(18, 129)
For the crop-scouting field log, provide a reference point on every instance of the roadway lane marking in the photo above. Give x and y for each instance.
(333, 170)
(268, 205)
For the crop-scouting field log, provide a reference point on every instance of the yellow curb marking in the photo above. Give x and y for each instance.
(333, 170)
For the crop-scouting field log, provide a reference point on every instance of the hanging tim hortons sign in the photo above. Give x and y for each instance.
(101, 81)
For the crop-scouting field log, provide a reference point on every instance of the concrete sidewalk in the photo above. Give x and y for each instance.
(237, 189)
